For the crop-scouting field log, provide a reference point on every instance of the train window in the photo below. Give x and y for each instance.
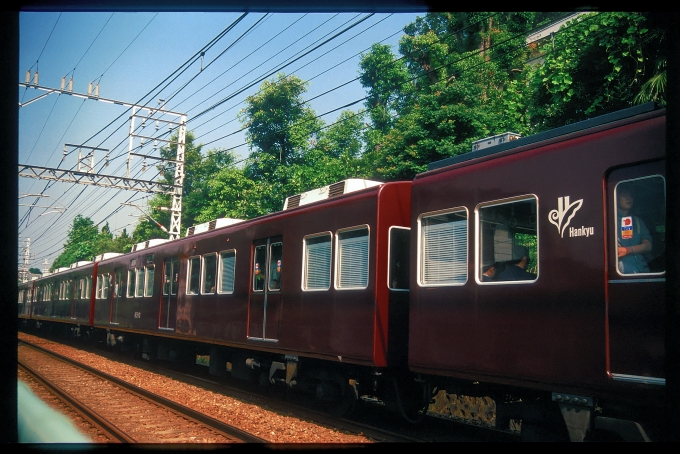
(194, 275)
(259, 267)
(171, 277)
(98, 290)
(132, 274)
(398, 260)
(275, 264)
(139, 291)
(443, 248)
(105, 286)
(225, 277)
(316, 261)
(352, 259)
(148, 286)
(640, 207)
(507, 249)
(209, 273)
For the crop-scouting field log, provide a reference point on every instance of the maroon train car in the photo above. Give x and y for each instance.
(63, 297)
(518, 290)
(304, 296)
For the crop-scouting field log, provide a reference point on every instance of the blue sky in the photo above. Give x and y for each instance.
(129, 54)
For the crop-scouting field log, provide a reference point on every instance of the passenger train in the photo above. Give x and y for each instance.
(531, 272)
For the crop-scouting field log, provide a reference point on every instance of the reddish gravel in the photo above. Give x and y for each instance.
(264, 423)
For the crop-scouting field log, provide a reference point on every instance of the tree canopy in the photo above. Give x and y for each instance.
(458, 77)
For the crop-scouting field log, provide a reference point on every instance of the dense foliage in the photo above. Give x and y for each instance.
(460, 77)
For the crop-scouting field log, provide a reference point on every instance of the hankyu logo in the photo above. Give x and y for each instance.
(564, 210)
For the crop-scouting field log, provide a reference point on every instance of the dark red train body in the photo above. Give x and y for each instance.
(339, 290)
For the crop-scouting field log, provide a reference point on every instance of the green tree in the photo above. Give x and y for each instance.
(122, 243)
(231, 194)
(600, 64)
(387, 82)
(80, 243)
(104, 241)
(280, 126)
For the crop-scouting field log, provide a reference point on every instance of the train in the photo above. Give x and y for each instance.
(531, 272)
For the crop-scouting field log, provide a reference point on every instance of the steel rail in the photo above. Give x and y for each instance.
(174, 406)
(94, 418)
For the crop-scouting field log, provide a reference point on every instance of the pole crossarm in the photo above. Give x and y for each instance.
(86, 96)
(93, 179)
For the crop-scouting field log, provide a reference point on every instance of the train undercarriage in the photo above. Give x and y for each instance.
(532, 415)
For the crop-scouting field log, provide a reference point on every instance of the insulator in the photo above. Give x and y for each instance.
(89, 89)
(35, 78)
(28, 76)
(155, 145)
(96, 90)
(63, 83)
(162, 172)
(70, 85)
(144, 165)
(157, 125)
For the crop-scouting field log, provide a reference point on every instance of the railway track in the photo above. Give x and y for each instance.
(122, 412)
(370, 421)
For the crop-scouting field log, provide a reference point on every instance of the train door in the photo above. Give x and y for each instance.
(168, 312)
(117, 293)
(636, 219)
(264, 308)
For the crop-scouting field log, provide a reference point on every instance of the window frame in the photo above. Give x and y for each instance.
(131, 279)
(420, 248)
(257, 248)
(149, 282)
(189, 269)
(270, 262)
(389, 258)
(616, 214)
(478, 243)
(220, 271)
(141, 283)
(304, 283)
(172, 285)
(203, 272)
(338, 257)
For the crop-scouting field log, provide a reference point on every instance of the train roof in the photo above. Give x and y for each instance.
(329, 191)
(314, 196)
(545, 135)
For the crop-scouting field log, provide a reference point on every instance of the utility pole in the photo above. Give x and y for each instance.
(86, 173)
(23, 271)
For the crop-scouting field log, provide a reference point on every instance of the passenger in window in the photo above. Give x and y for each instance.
(633, 238)
(516, 270)
(275, 276)
(489, 273)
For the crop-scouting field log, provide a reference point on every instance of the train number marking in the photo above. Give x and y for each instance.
(138, 315)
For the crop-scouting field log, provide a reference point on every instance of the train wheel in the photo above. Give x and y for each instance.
(346, 395)
(412, 399)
